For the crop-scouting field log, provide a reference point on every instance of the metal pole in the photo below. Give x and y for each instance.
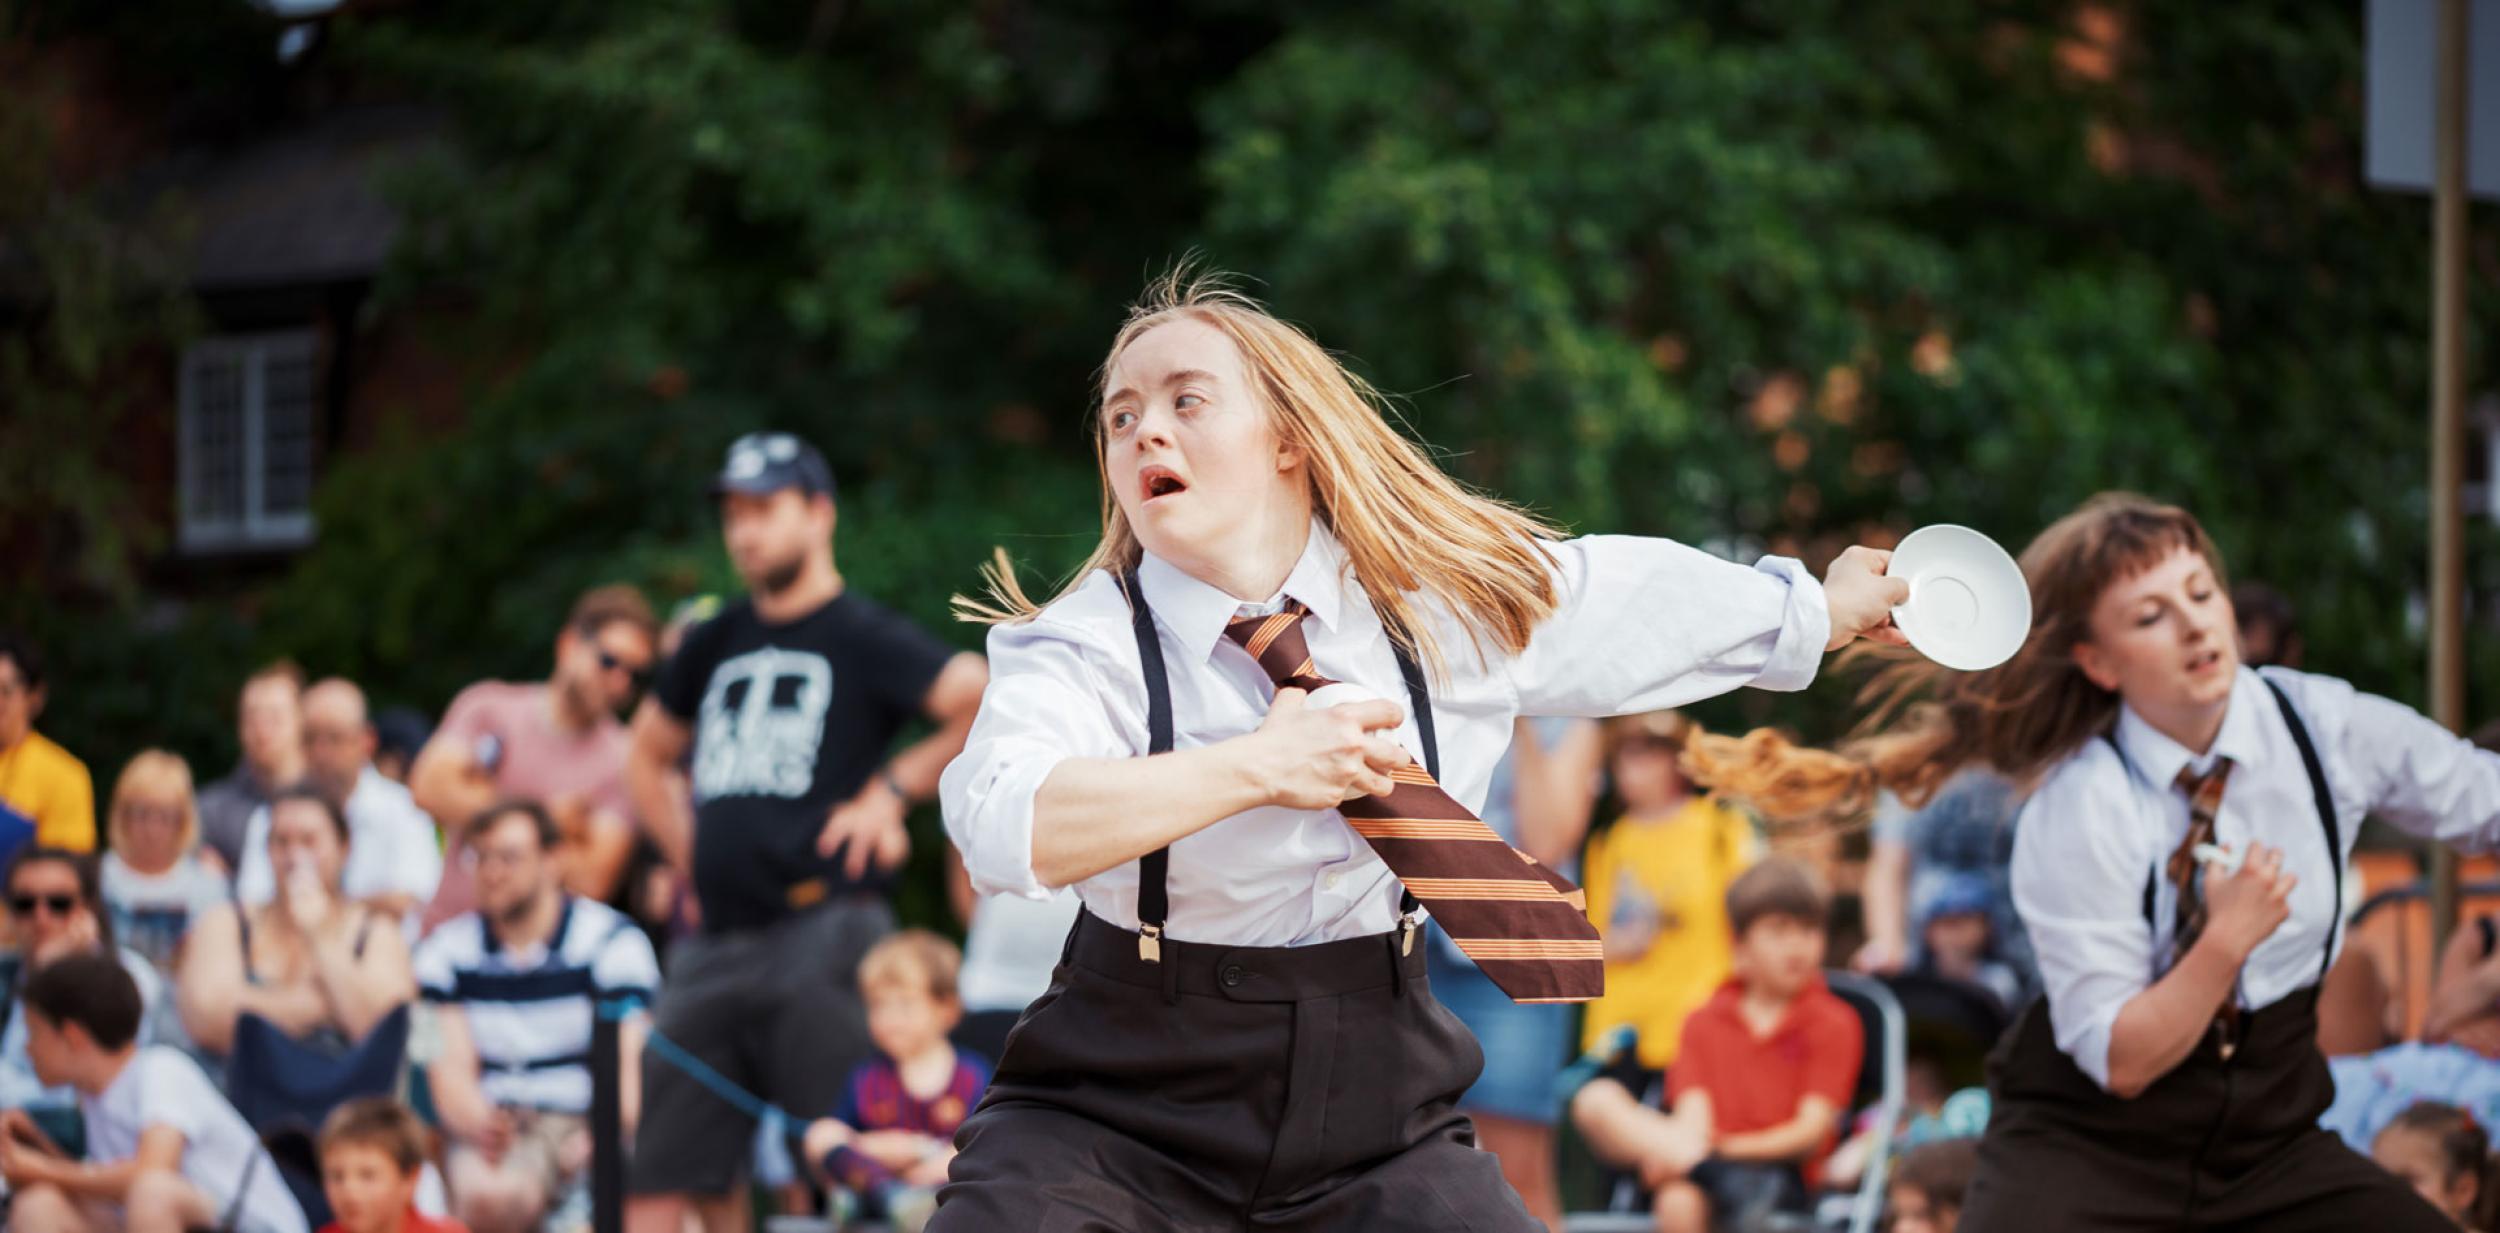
(607, 1126)
(2447, 623)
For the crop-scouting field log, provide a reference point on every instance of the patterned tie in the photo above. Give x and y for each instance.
(2204, 793)
(1526, 926)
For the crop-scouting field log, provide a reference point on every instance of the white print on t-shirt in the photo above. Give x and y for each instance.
(762, 721)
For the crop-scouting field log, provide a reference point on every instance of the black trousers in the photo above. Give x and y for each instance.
(2217, 1144)
(1230, 1088)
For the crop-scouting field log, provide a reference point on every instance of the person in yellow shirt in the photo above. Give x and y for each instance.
(42, 785)
(1657, 886)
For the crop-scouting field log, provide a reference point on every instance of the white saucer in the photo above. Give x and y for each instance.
(1969, 607)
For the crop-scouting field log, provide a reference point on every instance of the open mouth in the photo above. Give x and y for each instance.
(1159, 481)
(2204, 661)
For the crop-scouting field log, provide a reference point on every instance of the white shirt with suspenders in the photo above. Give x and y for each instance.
(1644, 624)
(1263, 1051)
(2093, 836)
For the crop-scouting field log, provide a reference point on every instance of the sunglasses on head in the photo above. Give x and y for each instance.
(58, 905)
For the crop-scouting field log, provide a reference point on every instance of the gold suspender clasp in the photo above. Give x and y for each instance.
(1406, 934)
(1150, 943)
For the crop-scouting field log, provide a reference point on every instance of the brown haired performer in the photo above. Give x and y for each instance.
(1242, 1032)
(2171, 1079)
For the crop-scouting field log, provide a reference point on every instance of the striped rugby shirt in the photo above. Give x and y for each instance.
(530, 1011)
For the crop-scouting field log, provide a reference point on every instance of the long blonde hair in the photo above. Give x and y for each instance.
(1411, 533)
(2034, 709)
(1787, 786)
(154, 770)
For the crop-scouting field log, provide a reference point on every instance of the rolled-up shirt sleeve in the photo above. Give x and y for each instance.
(1645, 624)
(1047, 702)
(2418, 776)
(2079, 885)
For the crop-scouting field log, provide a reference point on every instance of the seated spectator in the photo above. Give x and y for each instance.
(1926, 1188)
(395, 857)
(1957, 939)
(513, 985)
(269, 722)
(399, 734)
(54, 911)
(1657, 881)
(165, 1152)
(1764, 1076)
(372, 1162)
(557, 742)
(46, 797)
(155, 883)
(1964, 831)
(2465, 993)
(890, 1141)
(311, 962)
(2447, 1157)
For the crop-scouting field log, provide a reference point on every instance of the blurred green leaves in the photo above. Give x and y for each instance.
(1759, 274)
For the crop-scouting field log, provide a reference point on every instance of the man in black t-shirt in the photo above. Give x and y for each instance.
(782, 711)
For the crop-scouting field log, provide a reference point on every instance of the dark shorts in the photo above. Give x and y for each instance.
(1741, 1194)
(776, 1011)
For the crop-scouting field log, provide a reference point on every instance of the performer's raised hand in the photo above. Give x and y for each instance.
(1861, 598)
(1306, 757)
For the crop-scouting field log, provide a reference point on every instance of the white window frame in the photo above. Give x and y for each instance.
(255, 527)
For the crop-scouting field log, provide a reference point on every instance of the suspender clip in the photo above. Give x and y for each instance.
(1150, 943)
(1406, 934)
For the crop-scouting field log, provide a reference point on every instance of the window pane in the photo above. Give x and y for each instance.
(212, 448)
(286, 425)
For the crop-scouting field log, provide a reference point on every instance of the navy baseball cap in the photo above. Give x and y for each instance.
(766, 462)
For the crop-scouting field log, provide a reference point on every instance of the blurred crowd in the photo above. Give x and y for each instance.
(360, 969)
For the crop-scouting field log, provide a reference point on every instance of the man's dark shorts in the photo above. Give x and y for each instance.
(776, 1011)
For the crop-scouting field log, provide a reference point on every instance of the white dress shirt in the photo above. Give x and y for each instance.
(391, 848)
(2094, 831)
(1642, 624)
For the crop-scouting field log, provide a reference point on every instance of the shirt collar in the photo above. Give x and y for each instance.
(2242, 738)
(1729, 1001)
(1197, 612)
(555, 940)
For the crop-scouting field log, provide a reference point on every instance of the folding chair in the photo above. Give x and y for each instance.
(1882, 1078)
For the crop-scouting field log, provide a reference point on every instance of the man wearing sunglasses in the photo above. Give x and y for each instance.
(557, 741)
(55, 906)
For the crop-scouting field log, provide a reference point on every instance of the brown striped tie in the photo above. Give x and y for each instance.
(2204, 793)
(1525, 925)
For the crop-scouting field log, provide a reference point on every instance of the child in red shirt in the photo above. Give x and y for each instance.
(372, 1153)
(1761, 1082)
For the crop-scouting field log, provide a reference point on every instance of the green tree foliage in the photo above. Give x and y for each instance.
(1791, 273)
(1761, 275)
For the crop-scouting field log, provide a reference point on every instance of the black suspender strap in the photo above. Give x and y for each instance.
(1152, 905)
(2152, 876)
(1419, 693)
(2326, 819)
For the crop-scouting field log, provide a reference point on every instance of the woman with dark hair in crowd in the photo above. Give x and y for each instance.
(312, 962)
